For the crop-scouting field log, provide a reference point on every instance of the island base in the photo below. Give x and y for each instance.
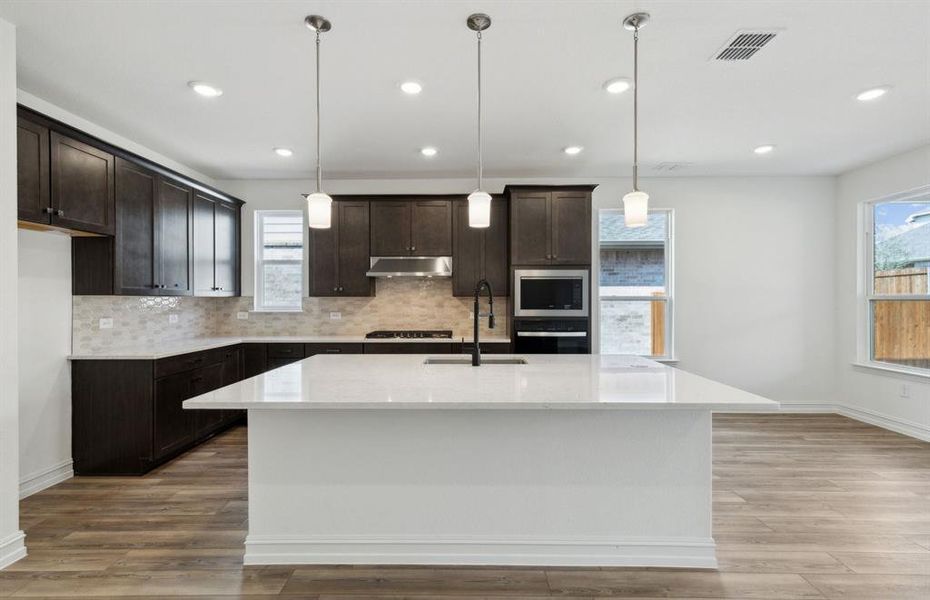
(480, 487)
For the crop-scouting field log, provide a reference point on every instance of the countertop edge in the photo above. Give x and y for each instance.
(766, 406)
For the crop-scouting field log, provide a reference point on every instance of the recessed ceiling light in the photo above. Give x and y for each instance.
(872, 94)
(617, 85)
(411, 87)
(205, 89)
(428, 151)
(765, 149)
(572, 150)
(284, 152)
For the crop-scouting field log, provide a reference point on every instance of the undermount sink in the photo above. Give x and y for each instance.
(466, 360)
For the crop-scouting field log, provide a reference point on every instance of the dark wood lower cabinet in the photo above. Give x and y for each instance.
(128, 415)
(409, 348)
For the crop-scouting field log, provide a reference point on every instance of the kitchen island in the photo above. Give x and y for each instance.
(592, 460)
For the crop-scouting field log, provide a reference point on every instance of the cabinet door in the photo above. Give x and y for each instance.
(173, 426)
(206, 380)
(323, 253)
(495, 255)
(529, 228)
(409, 348)
(82, 186)
(227, 249)
(204, 245)
(174, 238)
(352, 261)
(431, 228)
(254, 360)
(390, 228)
(136, 238)
(32, 191)
(571, 228)
(467, 268)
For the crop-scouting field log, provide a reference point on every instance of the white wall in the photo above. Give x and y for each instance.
(11, 537)
(44, 372)
(60, 114)
(754, 264)
(870, 394)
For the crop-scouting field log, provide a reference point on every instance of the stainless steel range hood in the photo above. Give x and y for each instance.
(410, 266)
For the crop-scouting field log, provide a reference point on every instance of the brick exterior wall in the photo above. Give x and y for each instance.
(632, 267)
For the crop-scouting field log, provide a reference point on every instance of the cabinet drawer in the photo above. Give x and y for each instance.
(409, 348)
(312, 349)
(186, 362)
(288, 350)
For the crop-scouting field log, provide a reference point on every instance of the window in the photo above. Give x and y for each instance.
(897, 233)
(635, 291)
(279, 260)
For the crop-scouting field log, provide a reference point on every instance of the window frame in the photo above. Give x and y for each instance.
(866, 284)
(668, 299)
(260, 262)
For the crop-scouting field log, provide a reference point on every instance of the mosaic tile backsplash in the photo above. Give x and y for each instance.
(398, 304)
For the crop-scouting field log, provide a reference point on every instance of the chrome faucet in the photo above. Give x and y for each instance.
(476, 349)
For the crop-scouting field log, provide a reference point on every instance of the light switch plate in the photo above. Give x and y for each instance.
(106, 323)
(335, 316)
(242, 316)
(172, 318)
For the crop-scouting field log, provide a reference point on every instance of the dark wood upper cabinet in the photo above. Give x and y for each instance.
(83, 187)
(136, 235)
(550, 226)
(421, 227)
(530, 228)
(216, 247)
(32, 172)
(480, 253)
(571, 228)
(175, 238)
(390, 228)
(339, 256)
(226, 257)
(431, 228)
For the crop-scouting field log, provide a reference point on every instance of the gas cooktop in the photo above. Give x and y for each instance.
(411, 334)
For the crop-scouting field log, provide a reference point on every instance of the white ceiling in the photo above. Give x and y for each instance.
(125, 65)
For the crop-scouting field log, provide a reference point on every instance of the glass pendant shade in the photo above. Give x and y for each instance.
(479, 209)
(319, 210)
(635, 208)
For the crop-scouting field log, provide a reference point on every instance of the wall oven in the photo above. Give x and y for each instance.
(550, 293)
(551, 336)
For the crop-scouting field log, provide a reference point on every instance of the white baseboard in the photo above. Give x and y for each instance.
(640, 552)
(902, 426)
(12, 548)
(46, 478)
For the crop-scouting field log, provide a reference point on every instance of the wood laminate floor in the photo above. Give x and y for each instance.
(805, 506)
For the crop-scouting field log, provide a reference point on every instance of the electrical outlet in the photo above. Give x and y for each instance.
(242, 316)
(172, 318)
(905, 390)
(335, 316)
(106, 323)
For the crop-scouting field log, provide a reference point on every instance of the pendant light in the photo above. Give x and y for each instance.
(479, 201)
(636, 203)
(319, 204)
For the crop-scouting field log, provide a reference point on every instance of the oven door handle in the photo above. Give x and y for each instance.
(566, 334)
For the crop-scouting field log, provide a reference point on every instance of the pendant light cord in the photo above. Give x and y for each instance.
(636, 109)
(319, 168)
(479, 111)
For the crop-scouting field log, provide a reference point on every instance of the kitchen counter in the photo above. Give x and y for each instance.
(568, 460)
(581, 381)
(166, 349)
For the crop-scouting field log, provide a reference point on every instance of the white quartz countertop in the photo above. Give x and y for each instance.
(166, 349)
(404, 381)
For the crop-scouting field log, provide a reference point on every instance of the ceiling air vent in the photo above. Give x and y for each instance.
(671, 167)
(744, 45)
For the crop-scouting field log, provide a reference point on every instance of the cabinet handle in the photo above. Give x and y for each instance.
(60, 212)
(341, 289)
(333, 350)
(177, 285)
(48, 210)
(413, 248)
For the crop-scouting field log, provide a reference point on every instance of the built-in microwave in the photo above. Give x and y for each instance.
(550, 292)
